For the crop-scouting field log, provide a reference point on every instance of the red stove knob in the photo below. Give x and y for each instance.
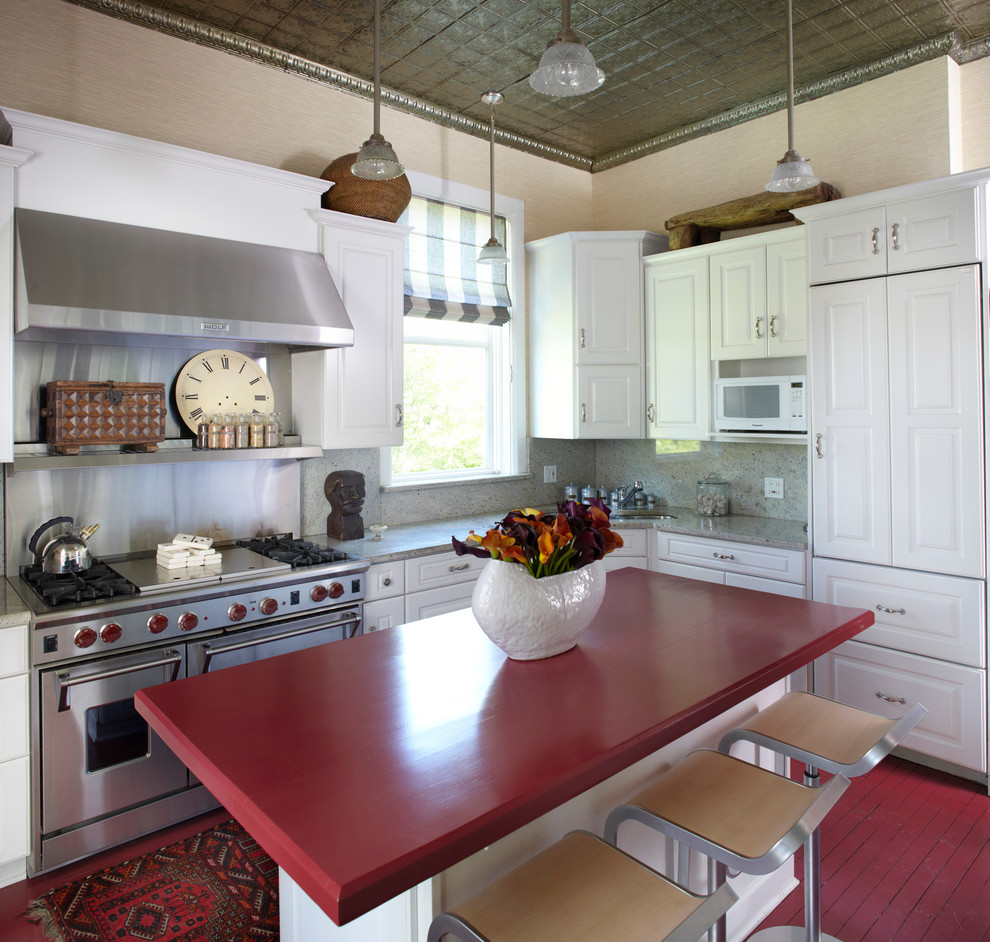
(268, 606)
(237, 611)
(188, 621)
(84, 637)
(111, 632)
(318, 593)
(336, 590)
(157, 623)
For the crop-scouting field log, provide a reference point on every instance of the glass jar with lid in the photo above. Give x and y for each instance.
(713, 496)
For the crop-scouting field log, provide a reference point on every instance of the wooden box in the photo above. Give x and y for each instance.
(127, 414)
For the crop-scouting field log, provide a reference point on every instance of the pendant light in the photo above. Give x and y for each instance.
(567, 67)
(493, 252)
(792, 172)
(376, 160)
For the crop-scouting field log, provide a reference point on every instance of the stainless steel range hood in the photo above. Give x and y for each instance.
(101, 279)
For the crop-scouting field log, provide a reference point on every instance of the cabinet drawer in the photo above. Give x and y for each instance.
(438, 601)
(918, 612)
(13, 717)
(955, 696)
(441, 569)
(385, 581)
(690, 572)
(769, 562)
(13, 650)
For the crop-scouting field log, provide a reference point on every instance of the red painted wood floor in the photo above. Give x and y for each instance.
(905, 858)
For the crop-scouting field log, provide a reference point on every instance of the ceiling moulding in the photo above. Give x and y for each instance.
(184, 27)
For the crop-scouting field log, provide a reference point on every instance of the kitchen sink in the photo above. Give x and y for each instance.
(654, 513)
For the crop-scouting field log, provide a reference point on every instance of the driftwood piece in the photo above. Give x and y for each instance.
(702, 226)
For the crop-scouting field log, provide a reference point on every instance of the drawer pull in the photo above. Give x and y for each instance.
(883, 696)
(890, 611)
(723, 555)
(875, 241)
(459, 568)
(893, 237)
(387, 580)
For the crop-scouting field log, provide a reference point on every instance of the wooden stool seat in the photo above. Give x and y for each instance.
(581, 890)
(820, 732)
(742, 815)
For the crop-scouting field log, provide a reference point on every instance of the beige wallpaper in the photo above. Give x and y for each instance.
(67, 62)
(975, 82)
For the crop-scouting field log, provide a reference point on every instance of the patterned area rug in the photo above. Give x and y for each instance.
(217, 886)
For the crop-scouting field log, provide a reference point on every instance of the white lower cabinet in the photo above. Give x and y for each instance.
(440, 583)
(633, 552)
(14, 750)
(888, 682)
(384, 596)
(746, 565)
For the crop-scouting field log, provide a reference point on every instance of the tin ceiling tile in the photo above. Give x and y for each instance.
(670, 64)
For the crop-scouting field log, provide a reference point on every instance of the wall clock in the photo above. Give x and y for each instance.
(221, 381)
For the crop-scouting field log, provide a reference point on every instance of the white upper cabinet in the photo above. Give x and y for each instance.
(586, 334)
(897, 472)
(758, 294)
(678, 380)
(932, 231)
(351, 397)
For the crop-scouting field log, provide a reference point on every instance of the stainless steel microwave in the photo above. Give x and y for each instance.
(761, 404)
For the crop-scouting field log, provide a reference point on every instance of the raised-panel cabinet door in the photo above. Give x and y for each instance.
(610, 403)
(738, 293)
(936, 421)
(678, 372)
(853, 245)
(609, 306)
(932, 231)
(787, 300)
(850, 464)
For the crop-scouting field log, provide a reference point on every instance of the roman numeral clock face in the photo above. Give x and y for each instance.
(221, 381)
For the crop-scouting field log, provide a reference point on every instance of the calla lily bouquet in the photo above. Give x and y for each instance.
(547, 544)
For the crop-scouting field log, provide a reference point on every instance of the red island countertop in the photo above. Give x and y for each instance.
(365, 767)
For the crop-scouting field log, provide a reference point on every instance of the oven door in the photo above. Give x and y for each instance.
(98, 753)
(283, 637)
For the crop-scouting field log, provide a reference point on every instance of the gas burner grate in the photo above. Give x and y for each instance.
(66, 588)
(297, 553)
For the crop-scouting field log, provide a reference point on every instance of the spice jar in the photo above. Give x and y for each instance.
(227, 437)
(713, 496)
(277, 417)
(242, 438)
(203, 433)
(256, 430)
(213, 433)
(271, 430)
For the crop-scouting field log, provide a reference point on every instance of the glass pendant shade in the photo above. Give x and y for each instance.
(376, 160)
(493, 253)
(566, 69)
(792, 173)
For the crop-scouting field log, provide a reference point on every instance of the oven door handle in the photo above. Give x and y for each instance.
(211, 650)
(64, 680)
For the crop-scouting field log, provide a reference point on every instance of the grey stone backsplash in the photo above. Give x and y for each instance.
(672, 477)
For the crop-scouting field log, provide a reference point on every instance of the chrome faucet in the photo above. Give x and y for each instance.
(632, 492)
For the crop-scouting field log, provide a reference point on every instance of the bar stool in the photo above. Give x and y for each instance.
(582, 890)
(828, 736)
(735, 813)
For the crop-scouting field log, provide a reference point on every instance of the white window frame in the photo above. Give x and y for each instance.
(510, 359)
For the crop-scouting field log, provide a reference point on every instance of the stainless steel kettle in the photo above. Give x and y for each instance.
(68, 552)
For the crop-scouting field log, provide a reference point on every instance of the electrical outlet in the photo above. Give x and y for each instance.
(773, 487)
(549, 474)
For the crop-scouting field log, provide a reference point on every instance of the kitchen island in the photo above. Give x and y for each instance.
(369, 767)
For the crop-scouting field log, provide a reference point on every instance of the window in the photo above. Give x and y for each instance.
(464, 390)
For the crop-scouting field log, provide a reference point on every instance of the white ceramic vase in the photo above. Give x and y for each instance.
(532, 618)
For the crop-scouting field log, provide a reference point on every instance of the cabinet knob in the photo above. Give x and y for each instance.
(894, 242)
(387, 581)
(875, 240)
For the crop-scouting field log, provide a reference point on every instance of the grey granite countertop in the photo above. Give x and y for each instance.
(408, 540)
(13, 609)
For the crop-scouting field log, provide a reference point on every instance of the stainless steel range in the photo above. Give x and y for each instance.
(103, 777)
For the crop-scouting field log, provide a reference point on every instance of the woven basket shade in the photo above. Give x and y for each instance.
(376, 199)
